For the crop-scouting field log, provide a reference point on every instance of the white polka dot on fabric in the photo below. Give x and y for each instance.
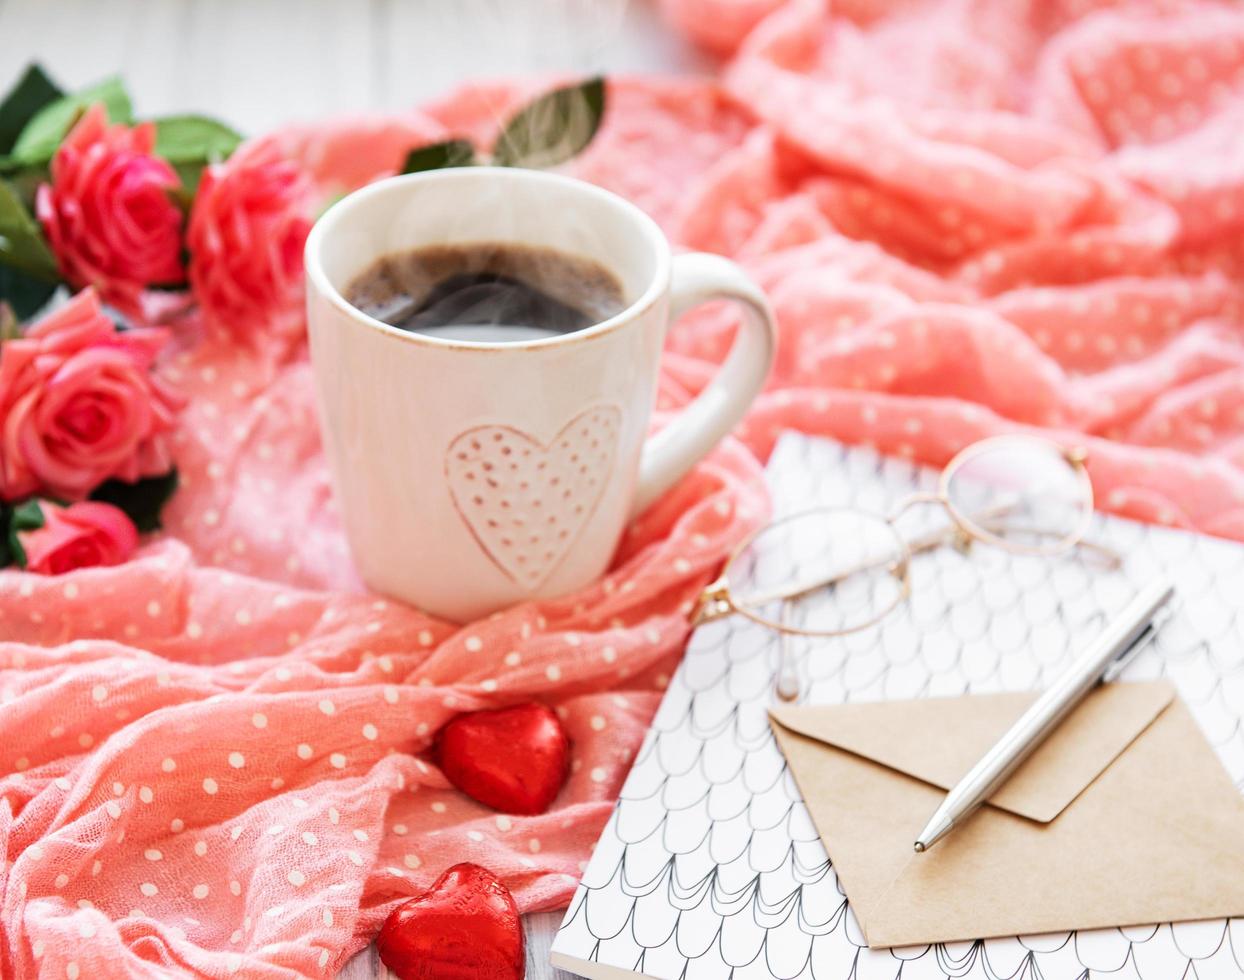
(323, 960)
(200, 848)
(153, 608)
(534, 845)
(369, 732)
(99, 693)
(113, 808)
(22, 763)
(200, 891)
(504, 823)
(71, 970)
(412, 861)
(609, 655)
(327, 707)
(553, 672)
(476, 836)
(259, 720)
(145, 794)
(62, 783)
(309, 838)
(327, 917)
(153, 854)
(599, 775)
(210, 786)
(390, 693)
(425, 638)
(237, 760)
(177, 825)
(96, 868)
(333, 815)
(148, 889)
(360, 835)
(400, 829)
(296, 878)
(235, 887)
(276, 829)
(474, 644)
(71, 591)
(61, 880)
(337, 760)
(86, 740)
(598, 723)
(355, 857)
(305, 751)
(438, 807)
(488, 685)
(168, 765)
(513, 658)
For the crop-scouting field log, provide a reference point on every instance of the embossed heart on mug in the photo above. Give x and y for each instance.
(525, 502)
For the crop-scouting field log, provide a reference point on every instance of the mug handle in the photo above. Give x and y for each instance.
(700, 277)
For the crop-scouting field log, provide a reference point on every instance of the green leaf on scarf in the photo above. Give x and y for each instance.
(553, 128)
(26, 516)
(438, 156)
(194, 139)
(32, 92)
(43, 133)
(21, 239)
(142, 501)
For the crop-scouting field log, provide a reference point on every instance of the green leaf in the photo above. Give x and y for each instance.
(27, 516)
(141, 501)
(21, 240)
(43, 134)
(194, 139)
(437, 156)
(553, 128)
(25, 294)
(32, 92)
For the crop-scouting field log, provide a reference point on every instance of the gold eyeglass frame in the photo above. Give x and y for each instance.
(717, 601)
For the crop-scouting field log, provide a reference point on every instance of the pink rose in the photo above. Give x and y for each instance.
(79, 405)
(247, 231)
(107, 213)
(82, 535)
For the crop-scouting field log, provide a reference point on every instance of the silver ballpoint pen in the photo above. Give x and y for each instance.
(1121, 635)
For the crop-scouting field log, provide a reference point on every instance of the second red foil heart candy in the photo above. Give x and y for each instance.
(465, 927)
(511, 759)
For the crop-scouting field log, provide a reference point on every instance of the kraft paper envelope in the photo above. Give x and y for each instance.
(1124, 816)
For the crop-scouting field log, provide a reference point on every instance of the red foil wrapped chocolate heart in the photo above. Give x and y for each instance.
(511, 759)
(465, 927)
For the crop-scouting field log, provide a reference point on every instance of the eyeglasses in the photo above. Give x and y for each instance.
(1025, 494)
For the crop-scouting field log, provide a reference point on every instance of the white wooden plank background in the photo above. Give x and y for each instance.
(259, 63)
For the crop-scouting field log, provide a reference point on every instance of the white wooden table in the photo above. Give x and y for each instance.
(259, 63)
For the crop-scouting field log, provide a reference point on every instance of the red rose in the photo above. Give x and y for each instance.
(247, 230)
(107, 213)
(82, 535)
(79, 405)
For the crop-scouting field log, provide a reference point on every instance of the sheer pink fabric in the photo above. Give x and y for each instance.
(970, 221)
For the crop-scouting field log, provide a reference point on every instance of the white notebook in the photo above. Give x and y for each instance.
(710, 868)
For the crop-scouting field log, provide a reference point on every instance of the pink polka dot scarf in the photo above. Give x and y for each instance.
(212, 758)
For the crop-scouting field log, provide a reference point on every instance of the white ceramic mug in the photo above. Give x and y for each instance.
(474, 475)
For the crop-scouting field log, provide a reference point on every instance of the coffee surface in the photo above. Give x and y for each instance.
(487, 291)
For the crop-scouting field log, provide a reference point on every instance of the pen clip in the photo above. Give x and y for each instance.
(1143, 639)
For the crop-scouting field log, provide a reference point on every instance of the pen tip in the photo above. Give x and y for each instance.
(919, 847)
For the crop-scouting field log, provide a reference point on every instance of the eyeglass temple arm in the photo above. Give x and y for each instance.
(717, 603)
(925, 542)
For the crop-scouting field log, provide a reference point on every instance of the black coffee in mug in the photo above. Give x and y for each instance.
(487, 291)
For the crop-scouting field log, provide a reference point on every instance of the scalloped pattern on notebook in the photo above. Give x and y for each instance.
(710, 866)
